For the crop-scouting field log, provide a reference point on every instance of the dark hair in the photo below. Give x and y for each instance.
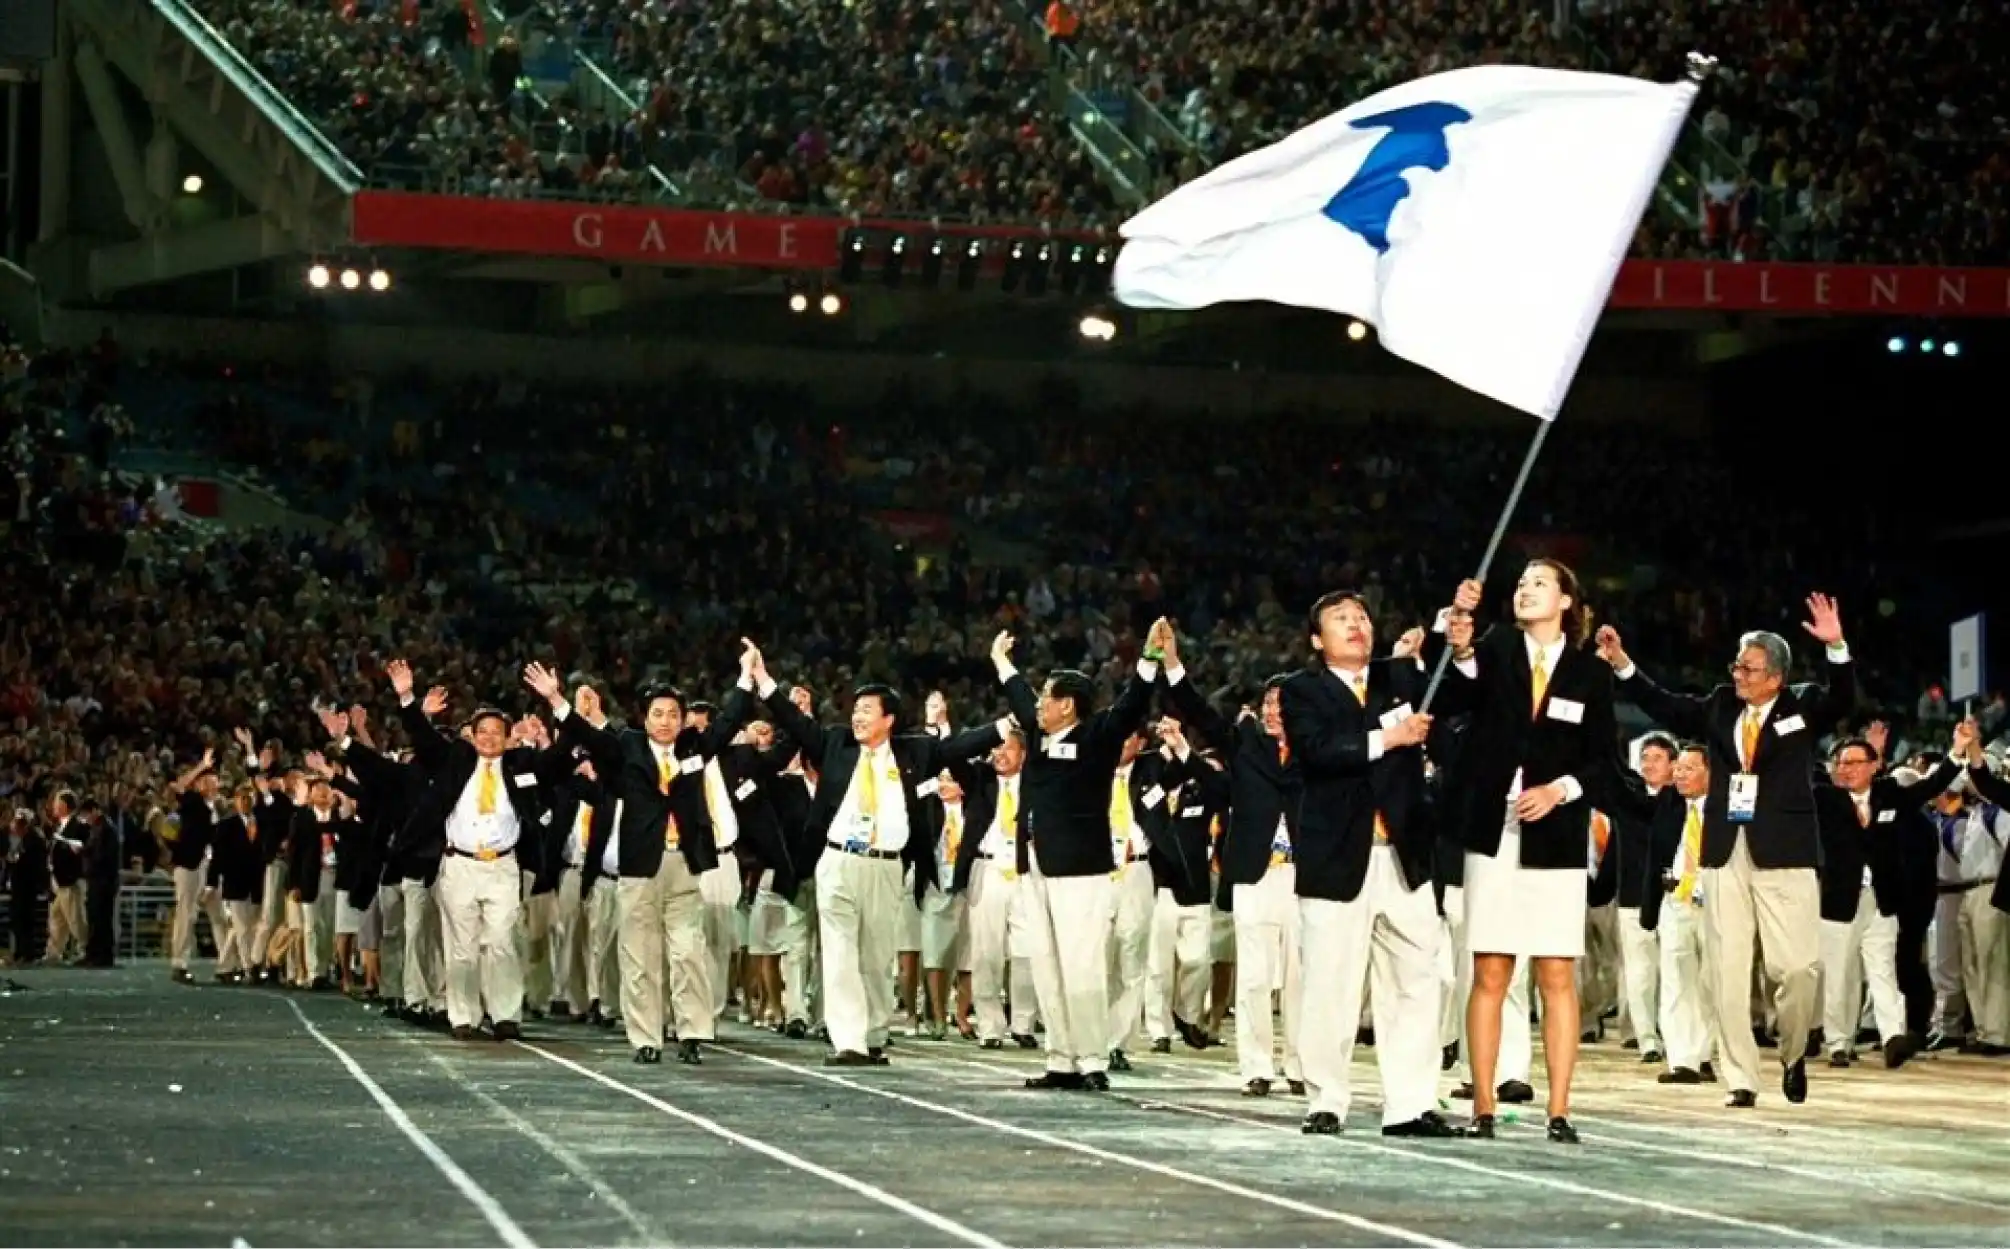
(1276, 681)
(701, 708)
(1074, 686)
(888, 697)
(89, 807)
(1697, 748)
(1662, 742)
(66, 797)
(1329, 600)
(1017, 734)
(488, 713)
(1930, 759)
(1860, 743)
(649, 693)
(1576, 617)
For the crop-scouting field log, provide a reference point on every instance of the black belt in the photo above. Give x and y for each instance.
(481, 857)
(863, 854)
(1964, 886)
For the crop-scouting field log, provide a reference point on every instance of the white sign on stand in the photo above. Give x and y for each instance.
(1964, 665)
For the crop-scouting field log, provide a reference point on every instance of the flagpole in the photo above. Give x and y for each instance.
(1700, 69)
(1542, 429)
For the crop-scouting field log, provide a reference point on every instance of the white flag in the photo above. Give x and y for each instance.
(1476, 218)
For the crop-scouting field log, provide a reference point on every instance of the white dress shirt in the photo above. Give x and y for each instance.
(996, 845)
(471, 832)
(851, 821)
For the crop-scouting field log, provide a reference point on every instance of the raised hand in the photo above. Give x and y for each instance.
(1877, 733)
(1824, 622)
(544, 683)
(1171, 734)
(804, 700)
(243, 737)
(400, 673)
(334, 723)
(1168, 644)
(1409, 644)
(937, 708)
(317, 764)
(1967, 735)
(750, 659)
(1410, 732)
(586, 701)
(1467, 597)
(359, 719)
(436, 701)
(1001, 650)
(1611, 649)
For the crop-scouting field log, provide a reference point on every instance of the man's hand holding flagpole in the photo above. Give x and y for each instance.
(1476, 218)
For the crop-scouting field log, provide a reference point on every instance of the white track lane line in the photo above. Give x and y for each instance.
(1046, 1138)
(1664, 1207)
(491, 1209)
(941, 1223)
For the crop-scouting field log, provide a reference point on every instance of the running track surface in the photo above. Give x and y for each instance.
(134, 1111)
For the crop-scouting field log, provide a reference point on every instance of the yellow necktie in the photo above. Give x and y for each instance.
(485, 797)
(1538, 681)
(1008, 824)
(1601, 833)
(1381, 828)
(952, 834)
(1751, 736)
(1692, 844)
(663, 774)
(584, 822)
(868, 797)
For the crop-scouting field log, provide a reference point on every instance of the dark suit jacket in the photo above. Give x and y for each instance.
(1574, 733)
(1181, 857)
(919, 757)
(391, 792)
(304, 850)
(1263, 786)
(1329, 731)
(750, 774)
(1784, 831)
(1626, 875)
(448, 764)
(1065, 813)
(240, 860)
(198, 827)
(28, 872)
(626, 763)
(1665, 814)
(66, 852)
(1894, 859)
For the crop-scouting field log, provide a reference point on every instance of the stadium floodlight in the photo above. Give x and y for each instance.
(380, 280)
(351, 279)
(317, 276)
(831, 304)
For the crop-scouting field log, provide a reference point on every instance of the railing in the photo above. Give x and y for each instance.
(143, 919)
(334, 166)
(1108, 112)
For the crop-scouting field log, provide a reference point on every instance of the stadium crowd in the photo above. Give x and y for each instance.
(948, 110)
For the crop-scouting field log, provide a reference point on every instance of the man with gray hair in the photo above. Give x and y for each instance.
(1761, 842)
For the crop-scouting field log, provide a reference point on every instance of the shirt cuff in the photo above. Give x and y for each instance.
(1572, 791)
(1438, 623)
(1839, 653)
(1628, 672)
(1005, 726)
(408, 700)
(1375, 748)
(767, 689)
(1147, 671)
(1175, 675)
(343, 744)
(560, 712)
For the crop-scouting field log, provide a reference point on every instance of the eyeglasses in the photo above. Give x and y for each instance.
(1749, 670)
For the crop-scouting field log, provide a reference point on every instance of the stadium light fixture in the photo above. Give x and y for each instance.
(1356, 331)
(799, 302)
(380, 280)
(831, 304)
(1950, 349)
(1895, 344)
(317, 277)
(1097, 328)
(350, 279)
(192, 185)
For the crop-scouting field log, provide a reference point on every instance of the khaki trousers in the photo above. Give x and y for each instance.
(1070, 940)
(1780, 911)
(391, 943)
(602, 917)
(1267, 961)
(662, 939)
(857, 920)
(425, 960)
(533, 946)
(1130, 952)
(67, 934)
(568, 942)
(720, 888)
(271, 907)
(479, 908)
(187, 901)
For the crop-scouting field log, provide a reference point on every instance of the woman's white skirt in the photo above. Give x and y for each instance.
(1532, 911)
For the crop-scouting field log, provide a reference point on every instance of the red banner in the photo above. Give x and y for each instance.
(627, 233)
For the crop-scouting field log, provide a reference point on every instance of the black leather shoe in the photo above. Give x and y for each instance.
(1118, 1061)
(1297, 1087)
(1708, 1072)
(1194, 1035)
(649, 1054)
(560, 1008)
(1742, 1099)
(1818, 1040)
(1630, 1043)
(1364, 1038)
(182, 975)
(1463, 1093)
(1764, 1039)
(1449, 1058)
(795, 1030)
(991, 1043)
(1480, 1129)
(593, 1013)
(1096, 1082)
(1900, 1049)
(1561, 1132)
(1321, 1123)
(687, 1053)
(1026, 1040)
(848, 1058)
(508, 1030)
(1680, 1075)
(463, 1032)
(1429, 1124)
(1259, 1087)
(1840, 1058)
(1162, 1046)
(878, 1056)
(1058, 1080)
(1794, 1082)
(1515, 1092)
(1653, 1058)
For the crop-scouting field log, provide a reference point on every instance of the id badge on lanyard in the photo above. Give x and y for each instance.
(1742, 801)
